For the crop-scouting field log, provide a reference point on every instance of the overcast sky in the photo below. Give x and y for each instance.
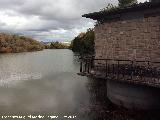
(48, 20)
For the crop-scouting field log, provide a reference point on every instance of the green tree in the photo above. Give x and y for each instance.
(84, 43)
(58, 45)
(109, 7)
(123, 3)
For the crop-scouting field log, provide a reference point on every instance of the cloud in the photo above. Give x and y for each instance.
(48, 20)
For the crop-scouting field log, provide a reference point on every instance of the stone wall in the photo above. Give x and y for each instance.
(133, 39)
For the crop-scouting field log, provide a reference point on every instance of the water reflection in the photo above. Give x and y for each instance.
(13, 78)
(46, 83)
(99, 104)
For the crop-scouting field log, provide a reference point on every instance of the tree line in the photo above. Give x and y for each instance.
(58, 45)
(15, 44)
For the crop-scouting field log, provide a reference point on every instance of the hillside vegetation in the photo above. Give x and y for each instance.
(15, 44)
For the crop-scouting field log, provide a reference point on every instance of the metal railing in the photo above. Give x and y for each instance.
(145, 72)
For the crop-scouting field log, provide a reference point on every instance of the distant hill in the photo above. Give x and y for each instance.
(14, 44)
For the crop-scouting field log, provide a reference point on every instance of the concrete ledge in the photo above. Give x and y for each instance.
(133, 96)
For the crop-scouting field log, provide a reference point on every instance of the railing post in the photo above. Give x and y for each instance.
(148, 68)
(81, 67)
(131, 70)
(141, 72)
(88, 63)
(118, 71)
(154, 74)
(113, 70)
(123, 70)
(85, 65)
(92, 60)
(148, 63)
(106, 68)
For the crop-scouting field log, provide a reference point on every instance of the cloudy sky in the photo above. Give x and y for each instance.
(48, 20)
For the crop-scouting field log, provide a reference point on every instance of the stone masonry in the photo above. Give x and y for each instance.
(137, 38)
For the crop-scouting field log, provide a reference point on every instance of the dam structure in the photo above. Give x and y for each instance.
(127, 54)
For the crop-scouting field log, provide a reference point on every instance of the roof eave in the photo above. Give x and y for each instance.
(141, 6)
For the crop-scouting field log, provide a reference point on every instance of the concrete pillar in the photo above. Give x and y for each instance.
(133, 96)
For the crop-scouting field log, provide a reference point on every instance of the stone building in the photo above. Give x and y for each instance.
(130, 33)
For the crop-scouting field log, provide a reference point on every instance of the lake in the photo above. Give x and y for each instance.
(46, 83)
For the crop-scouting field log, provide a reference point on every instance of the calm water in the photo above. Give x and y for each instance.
(44, 83)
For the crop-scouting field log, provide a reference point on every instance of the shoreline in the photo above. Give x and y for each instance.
(31, 51)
